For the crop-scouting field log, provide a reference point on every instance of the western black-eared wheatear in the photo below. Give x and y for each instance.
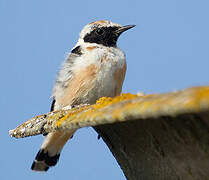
(95, 68)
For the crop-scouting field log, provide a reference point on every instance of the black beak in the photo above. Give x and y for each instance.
(124, 28)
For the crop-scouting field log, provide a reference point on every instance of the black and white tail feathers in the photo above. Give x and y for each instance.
(43, 161)
(49, 152)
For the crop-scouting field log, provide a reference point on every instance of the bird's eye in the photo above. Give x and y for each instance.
(99, 31)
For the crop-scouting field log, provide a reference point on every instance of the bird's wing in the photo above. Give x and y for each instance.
(53, 143)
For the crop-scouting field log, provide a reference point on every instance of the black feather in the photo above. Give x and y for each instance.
(77, 50)
(52, 106)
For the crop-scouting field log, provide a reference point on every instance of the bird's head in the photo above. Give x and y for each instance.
(102, 32)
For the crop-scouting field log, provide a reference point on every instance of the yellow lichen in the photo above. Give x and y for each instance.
(200, 93)
(150, 105)
(90, 111)
(104, 101)
(121, 108)
(63, 119)
(72, 114)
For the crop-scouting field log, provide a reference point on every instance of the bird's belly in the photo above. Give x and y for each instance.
(106, 87)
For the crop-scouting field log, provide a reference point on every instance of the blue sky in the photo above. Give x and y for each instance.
(167, 50)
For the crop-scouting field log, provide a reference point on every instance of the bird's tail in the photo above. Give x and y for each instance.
(50, 150)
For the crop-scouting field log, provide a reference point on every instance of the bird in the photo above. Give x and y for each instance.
(95, 68)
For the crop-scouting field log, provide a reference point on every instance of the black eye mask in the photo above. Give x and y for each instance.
(106, 36)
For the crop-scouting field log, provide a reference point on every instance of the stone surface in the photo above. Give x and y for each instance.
(158, 136)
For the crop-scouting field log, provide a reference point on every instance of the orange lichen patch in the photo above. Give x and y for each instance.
(202, 93)
(190, 100)
(148, 105)
(199, 94)
(97, 110)
(105, 101)
(125, 107)
(90, 112)
(72, 114)
(63, 119)
(91, 48)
